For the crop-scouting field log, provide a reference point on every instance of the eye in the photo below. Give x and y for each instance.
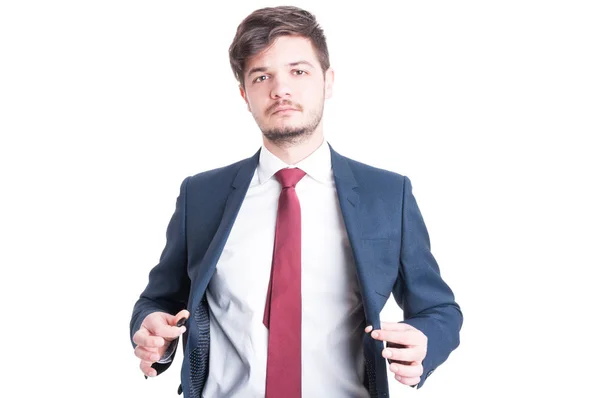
(260, 79)
(302, 72)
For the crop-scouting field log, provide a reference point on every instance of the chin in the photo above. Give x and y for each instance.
(286, 124)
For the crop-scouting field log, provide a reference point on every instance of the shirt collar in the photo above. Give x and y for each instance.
(317, 165)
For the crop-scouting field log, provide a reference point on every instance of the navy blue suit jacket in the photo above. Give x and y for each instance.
(389, 241)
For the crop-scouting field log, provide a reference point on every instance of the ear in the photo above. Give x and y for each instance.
(329, 77)
(243, 94)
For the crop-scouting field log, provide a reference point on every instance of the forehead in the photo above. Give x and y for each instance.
(283, 50)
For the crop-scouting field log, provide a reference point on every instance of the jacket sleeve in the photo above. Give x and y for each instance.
(168, 283)
(427, 301)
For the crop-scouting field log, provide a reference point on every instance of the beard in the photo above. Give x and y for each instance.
(290, 135)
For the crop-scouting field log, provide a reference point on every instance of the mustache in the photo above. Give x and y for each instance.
(283, 103)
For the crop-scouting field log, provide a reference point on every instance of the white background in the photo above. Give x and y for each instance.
(491, 108)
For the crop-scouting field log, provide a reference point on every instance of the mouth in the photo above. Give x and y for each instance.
(284, 110)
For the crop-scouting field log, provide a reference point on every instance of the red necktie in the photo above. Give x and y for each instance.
(283, 310)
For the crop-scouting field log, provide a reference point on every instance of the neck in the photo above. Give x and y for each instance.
(294, 153)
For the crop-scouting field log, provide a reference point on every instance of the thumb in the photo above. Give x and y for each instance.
(173, 325)
(180, 319)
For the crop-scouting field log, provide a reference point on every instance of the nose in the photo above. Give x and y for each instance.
(280, 88)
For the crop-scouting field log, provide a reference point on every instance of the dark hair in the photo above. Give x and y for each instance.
(259, 29)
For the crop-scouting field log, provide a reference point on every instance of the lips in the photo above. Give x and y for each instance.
(285, 108)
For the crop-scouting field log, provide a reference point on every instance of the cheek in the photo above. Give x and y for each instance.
(251, 97)
(313, 96)
(257, 108)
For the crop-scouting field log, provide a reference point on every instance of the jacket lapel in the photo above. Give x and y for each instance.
(239, 188)
(348, 191)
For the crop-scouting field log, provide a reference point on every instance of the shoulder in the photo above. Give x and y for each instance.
(221, 178)
(223, 173)
(375, 177)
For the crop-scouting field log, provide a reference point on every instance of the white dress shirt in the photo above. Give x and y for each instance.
(332, 313)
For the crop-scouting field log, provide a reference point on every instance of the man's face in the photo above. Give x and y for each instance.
(285, 89)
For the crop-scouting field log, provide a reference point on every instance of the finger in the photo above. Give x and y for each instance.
(169, 332)
(409, 381)
(390, 326)
(411, 354)
(146, 355)
(410, 337)
(147, 369)
(409, 371)
(156, 320)
(173, 327)
(143, 338)
(396, 326)
(181, 315)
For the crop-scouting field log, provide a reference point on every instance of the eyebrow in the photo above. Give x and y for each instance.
(264, 69)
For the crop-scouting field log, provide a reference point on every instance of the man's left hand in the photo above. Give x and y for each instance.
(406, 348)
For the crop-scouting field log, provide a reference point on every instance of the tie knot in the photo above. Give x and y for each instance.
(289, 177)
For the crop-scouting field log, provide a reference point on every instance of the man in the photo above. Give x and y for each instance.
(282, 262)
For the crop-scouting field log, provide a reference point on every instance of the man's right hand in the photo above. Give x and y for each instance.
(152, 339)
